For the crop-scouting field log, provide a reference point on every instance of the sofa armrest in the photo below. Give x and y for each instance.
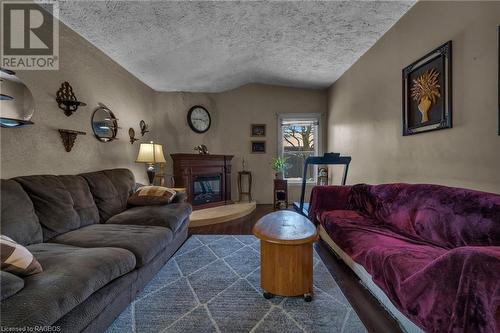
(180, 197)
(325, 198)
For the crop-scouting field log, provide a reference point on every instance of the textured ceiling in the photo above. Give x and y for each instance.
(216, 46)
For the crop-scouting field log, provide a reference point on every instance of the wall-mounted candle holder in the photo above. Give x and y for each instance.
(131, 134)
(144, 127)
(66, 99)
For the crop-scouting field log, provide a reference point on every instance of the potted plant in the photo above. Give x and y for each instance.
(279, 166)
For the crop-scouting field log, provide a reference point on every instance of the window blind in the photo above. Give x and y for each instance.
(299, 122)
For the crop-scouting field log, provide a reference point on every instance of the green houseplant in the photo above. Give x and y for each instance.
(279, 166)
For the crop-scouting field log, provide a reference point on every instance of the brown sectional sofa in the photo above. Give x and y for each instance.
(96, 252)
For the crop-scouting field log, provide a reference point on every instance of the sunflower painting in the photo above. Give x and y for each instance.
(427, 92)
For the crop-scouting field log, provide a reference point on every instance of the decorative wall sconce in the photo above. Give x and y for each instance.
(144, 127)
(131, 134)
(66, 99)
(68, 138)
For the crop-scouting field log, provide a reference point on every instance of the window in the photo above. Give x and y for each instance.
(299, 138)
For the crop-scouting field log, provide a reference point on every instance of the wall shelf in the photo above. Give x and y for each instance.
(69, 137)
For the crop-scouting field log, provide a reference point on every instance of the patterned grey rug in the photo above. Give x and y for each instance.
(212, 285)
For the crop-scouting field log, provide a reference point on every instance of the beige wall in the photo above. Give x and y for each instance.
(365, 103)
(232, 114)
(95, 78)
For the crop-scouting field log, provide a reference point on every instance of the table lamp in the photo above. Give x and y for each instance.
(150, 153)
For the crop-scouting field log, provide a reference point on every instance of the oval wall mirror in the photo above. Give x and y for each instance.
(16, 101)
(104, 124)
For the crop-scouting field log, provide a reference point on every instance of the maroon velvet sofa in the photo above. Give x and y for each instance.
(433, 250)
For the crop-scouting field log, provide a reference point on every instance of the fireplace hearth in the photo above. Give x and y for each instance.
(207, 178)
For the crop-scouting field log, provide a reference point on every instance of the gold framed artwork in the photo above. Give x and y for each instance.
(258, 130)
(427, 92)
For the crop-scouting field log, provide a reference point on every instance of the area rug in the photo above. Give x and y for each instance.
(212, 285)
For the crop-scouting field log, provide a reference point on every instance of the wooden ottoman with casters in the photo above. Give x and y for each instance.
(286, 255)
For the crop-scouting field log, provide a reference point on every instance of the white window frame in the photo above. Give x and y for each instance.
(318, 138)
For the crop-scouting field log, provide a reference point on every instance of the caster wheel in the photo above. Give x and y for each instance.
(308, 297)
(268, 295)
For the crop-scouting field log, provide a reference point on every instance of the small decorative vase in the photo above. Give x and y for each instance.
(423, 107)
(279, 175)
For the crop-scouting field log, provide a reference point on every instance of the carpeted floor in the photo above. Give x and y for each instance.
(212, 285)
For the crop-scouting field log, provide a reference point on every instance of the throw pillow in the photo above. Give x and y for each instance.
(151, 195)
(17, 259)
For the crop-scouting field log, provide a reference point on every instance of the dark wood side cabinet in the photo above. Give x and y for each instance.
(280, 194)
(207, 178)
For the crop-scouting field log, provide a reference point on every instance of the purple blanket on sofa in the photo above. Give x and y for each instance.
(434, 250)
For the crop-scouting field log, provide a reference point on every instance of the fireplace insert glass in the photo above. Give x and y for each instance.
(207, 189)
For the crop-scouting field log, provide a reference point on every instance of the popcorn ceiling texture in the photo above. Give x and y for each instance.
(216, 46)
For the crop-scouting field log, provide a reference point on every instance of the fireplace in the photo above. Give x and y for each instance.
(207, 189)
(207, 178)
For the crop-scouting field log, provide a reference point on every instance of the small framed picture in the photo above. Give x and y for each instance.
(258, 130)
(259, 147)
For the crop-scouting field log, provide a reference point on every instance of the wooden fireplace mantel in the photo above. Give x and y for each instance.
(187, 167)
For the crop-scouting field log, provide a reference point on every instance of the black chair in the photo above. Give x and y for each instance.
(327, 159)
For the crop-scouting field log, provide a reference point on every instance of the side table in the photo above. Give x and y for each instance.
(286, 256)
(248, 193)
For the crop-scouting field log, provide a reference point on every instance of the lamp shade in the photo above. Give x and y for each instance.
(150, 153)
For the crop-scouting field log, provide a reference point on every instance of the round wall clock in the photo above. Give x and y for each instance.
(199, 119)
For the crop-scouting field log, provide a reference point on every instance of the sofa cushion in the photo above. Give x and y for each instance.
(71, 274)
(143, 241)
(151, 195)
(171, 216)
(18, 217)
(370, 243)
(437, 288)
(111, 189)
(10, 284)
(62, 203)
(16, 259)
(98, 311)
